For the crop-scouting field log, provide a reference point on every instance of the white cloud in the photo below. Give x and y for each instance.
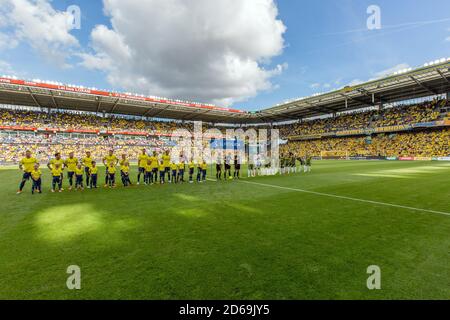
(212, 51)
(315, 85)
(6, 68)
(390, 71)
(38, 24)
(355, 82)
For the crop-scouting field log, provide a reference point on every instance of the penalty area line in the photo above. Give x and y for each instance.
(348, 198)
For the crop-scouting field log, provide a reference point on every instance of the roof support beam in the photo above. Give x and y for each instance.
(422, 85)
(148, 111)
(98, 104)
(34, 98)
(115, 105)
(163, 109)
(54, 100)
(196, 114)
(443, 76)
(357, 100)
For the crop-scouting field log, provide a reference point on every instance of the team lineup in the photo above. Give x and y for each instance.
(152, 169)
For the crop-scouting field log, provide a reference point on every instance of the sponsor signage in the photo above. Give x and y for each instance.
(425, 125)
(406, 158)
(441, 159)
(350, 132)
(391, 158)
(392, 128)
(422, 158)
(367, 158)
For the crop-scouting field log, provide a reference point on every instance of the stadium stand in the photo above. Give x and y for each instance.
(355, 134)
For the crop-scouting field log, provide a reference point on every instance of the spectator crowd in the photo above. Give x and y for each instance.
(422, 143)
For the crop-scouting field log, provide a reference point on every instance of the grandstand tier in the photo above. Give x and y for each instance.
(419, 130)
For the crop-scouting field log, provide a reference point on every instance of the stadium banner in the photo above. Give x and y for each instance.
(422, 158)
(447, 122)
(16, 128)
(367, 158)
(391, 158)
(350, 132)
(441, 158)
(406, 158)
(309, 137)
(392, 128)
(425, 124)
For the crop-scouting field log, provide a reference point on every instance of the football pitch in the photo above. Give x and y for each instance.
(302, 236)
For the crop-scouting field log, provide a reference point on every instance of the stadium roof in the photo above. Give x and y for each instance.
(431, 79)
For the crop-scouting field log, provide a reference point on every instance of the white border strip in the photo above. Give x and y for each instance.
(348, 198)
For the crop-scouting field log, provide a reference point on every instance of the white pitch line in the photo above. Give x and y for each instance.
(348, 198)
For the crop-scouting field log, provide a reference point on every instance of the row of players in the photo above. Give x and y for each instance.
(150, 168)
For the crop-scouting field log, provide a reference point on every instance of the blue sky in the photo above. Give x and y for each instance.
(326, 45)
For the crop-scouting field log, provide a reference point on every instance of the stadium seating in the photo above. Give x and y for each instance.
(426, 142)
(400, 115)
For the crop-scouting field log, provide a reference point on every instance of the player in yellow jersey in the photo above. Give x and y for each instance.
(108, 160)
(87, 163)
(199, 171)
(125, 173)
(93, 172)
(26, 165)
(37, 181)
(154, 166)
(166, 161)
(57, 160)
(71, 164)
(162, 172)
(56, 175)
(79, 177)
(148, 177)
(173, 169)
(203, 167)
(111, 171)
(191, 166)
(180, 177)
(142, 164)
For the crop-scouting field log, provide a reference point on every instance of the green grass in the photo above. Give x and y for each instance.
(234, 240)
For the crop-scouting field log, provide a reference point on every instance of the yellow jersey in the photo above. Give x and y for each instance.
(191, 165)
(78, 171)
(122, 162)
(110, 160)
(166, 160)
(87, 162)
(36, 174)
(93, 170)
(71, 164)
(148, 168)
(181, 166)
(111, 169)
(55, 161)
(154, 162)
(142, 159)
(162, 167)
(124, 169)
(173, 166)
(28, 164)
(203, 166)
(56, 172)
